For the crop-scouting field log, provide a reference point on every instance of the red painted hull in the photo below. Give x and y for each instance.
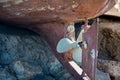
(42, 11)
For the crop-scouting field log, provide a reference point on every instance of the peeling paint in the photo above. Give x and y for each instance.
(30, 9)
(25, 0)
(50, 8)
(66, 10)
(75, 5)
(18, 1)
(41, 9)
(6, 5)
(4, 1)
(117, 6)
(17, 14)
(55, 16)
(33, 9)
(73, 1)
(23, 9)
(60, 7)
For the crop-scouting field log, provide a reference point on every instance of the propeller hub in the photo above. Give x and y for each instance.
(75, 45)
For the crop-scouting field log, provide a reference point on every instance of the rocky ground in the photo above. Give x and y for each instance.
(109, 47)
(24, 55)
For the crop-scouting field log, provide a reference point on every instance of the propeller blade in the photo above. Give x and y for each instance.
(64, 45)
(79, 39)
(77, 55)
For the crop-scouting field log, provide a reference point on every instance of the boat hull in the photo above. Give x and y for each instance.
(51, 18)
(43, 11)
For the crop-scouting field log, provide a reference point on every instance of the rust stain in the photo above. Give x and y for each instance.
(18, 1)
(66, 10)
(44, 17)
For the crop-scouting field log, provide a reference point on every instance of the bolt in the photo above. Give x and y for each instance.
(85, 44)
(93, 53)
(71, 28)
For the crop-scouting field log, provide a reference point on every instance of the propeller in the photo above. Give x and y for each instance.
(65, 44)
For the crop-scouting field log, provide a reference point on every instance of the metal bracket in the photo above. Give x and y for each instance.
(90, 53)
(89, 38)
(89, 49)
